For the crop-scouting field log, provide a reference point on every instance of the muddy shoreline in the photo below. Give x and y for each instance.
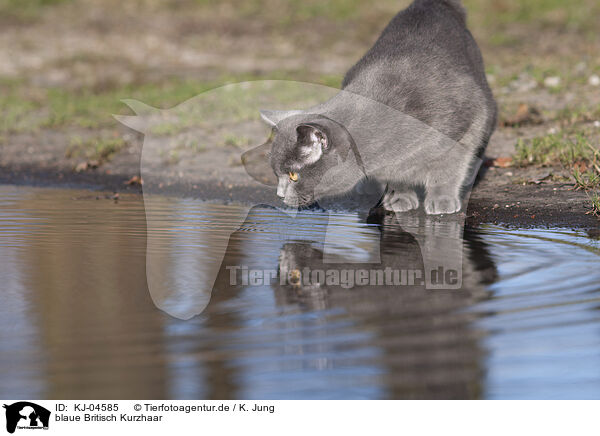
(491, 201)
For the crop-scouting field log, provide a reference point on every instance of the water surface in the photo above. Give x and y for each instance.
(77, 319)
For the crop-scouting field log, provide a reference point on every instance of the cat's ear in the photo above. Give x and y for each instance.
(325, 135)
(313, 142)
(272, 118)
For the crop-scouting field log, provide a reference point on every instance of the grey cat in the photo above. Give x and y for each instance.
(415, 112)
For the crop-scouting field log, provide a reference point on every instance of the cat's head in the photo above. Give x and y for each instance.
(307, 151)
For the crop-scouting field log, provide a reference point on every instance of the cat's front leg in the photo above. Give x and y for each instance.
(442, 199)
(400, 200)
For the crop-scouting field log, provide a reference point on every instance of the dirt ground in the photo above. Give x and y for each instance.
(64, 65)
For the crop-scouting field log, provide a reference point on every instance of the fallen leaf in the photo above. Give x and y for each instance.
(581, 166)
(524, 115)
(502, 162)
(135, 180)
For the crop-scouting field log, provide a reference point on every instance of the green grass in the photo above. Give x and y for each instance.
(291, 11)
(237, 103)
(100, 149)
(487, 17)
(577, 15)
(25, 10)
(578, 114)
(25, 108)
(595, 204)
(576, 154)
(14, 115)
(586, 180)
(554, 149)
(236, 141)
(92, 110)
(492, 21)
(570, 14)
(303, 10)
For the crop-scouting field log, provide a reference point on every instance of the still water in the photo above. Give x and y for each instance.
(77, 318)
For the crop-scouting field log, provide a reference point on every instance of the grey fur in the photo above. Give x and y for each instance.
(416, 111)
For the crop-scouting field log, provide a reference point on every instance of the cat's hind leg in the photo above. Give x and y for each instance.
(443, 199)
(458, 165)
(444, 184)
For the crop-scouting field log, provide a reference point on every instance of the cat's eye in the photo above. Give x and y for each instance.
(293, 176)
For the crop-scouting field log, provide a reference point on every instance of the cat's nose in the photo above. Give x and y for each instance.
(280, 193)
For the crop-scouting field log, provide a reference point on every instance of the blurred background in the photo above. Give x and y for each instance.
(64, 64)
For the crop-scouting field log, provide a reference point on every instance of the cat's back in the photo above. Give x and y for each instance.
(426, 33)
(426, 64)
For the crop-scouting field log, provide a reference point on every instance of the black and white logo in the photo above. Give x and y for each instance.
(26, 415)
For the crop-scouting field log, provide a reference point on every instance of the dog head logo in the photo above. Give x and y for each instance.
(26, 415)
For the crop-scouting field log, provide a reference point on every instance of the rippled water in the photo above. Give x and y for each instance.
(77, 319)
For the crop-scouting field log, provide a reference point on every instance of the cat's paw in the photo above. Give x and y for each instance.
(442, 204)
(402, 201)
